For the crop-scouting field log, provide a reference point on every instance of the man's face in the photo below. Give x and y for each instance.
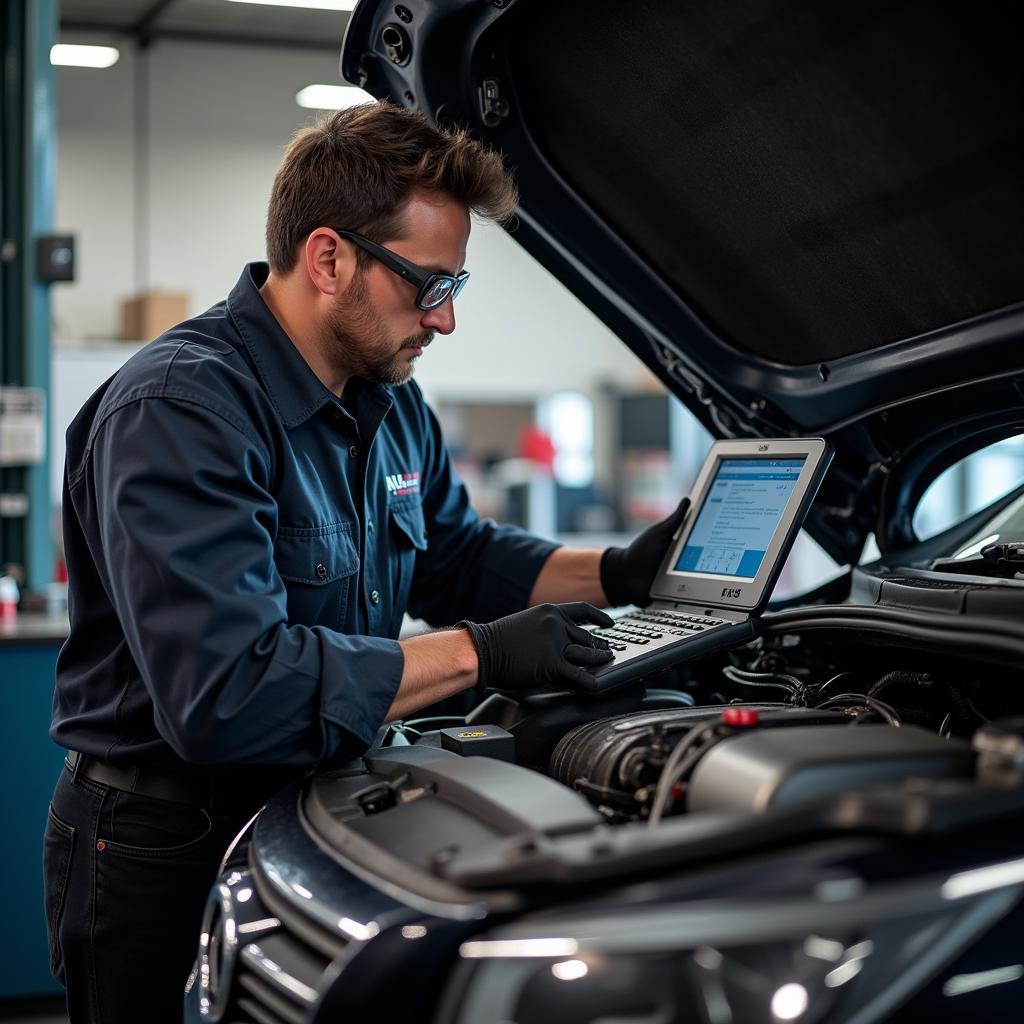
(374, 329)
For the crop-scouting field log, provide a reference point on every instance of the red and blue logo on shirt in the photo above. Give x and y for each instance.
(402, 483)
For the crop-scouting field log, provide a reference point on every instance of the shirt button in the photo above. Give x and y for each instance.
(354, 451)
(321, 572)
(375, 596)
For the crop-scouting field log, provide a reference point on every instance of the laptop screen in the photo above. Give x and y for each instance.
(740, 515)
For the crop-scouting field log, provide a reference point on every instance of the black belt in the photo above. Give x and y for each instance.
(226, 792)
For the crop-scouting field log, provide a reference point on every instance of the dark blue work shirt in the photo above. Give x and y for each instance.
(241, 546)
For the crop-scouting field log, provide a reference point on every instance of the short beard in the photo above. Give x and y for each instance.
(357, 341)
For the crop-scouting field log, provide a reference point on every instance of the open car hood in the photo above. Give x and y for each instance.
(805, 218)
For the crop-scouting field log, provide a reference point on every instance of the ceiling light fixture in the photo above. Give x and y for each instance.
(312, 5)
(66, 55)
(331, 97)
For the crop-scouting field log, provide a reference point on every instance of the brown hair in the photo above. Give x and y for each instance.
(357, 168)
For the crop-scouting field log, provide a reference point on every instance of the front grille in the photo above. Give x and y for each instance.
(277, 980)
(329, 944)
(278, 973)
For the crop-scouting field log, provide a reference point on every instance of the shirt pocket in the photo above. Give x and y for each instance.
(318, 565)
(408, 536)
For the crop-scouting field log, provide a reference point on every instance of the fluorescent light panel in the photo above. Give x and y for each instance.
(331, 97)
(312, 5)
(66, 55)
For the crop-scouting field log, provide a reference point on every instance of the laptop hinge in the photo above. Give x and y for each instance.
(731, 614)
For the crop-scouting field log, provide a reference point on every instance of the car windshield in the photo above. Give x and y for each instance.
(1004, 528)
(970, 485)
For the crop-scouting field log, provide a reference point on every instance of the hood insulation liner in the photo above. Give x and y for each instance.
(814, 179)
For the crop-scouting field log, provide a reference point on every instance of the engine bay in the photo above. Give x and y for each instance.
(793, 736)
(863, 715)
(898, 710)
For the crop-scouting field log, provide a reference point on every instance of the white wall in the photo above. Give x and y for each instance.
(219, 118)
(192, 213)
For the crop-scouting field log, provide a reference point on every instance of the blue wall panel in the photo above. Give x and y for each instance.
(29, 765)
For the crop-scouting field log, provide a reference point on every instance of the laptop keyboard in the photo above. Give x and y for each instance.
(656, 626)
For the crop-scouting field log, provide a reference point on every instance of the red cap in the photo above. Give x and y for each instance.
(741, 716)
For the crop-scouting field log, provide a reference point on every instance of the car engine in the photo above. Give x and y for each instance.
(865, 716)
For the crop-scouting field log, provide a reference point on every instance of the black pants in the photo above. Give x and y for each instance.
(126, 881)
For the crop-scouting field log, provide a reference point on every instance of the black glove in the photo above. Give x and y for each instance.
(541, 646)
(627, 573)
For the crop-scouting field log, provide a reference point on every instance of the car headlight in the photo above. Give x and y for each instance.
(848, 952)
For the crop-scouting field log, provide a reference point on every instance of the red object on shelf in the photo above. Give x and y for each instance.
(741, 716)
(9, 598)
(536, 446)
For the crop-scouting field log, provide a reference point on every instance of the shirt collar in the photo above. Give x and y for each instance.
(293, 387)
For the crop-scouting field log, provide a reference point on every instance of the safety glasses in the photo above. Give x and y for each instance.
(434, 289)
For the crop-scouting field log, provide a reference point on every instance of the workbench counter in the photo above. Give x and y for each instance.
(34, 628)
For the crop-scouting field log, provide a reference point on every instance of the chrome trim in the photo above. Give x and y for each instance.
(275, 975)
(218, 950)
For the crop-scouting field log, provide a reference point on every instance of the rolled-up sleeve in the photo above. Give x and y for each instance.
(473, 568)
(187, 523)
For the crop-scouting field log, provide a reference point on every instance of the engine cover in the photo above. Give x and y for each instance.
(763, 768)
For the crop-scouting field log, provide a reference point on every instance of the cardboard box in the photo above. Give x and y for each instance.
(152, 313)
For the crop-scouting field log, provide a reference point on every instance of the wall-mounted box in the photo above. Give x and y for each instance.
(22, 426)
(55, 258)
(150, 314)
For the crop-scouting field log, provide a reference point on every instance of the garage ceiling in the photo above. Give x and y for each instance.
(214, 21)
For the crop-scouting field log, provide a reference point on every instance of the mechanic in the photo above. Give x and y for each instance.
(250, 506)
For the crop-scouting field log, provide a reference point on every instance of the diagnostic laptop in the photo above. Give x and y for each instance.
(746, 508)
